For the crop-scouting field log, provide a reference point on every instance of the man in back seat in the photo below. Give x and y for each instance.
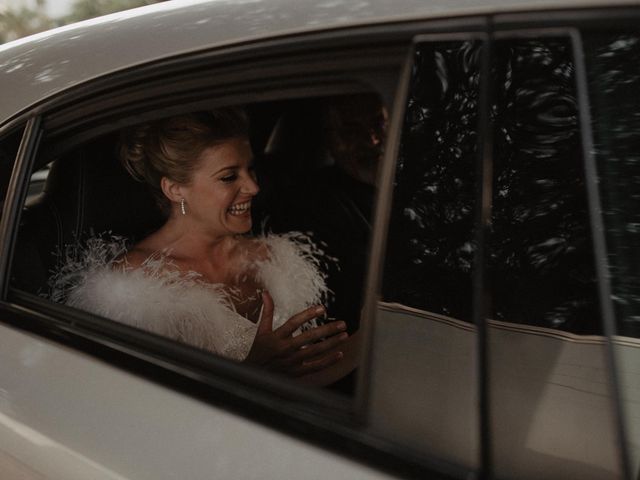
(336, 204)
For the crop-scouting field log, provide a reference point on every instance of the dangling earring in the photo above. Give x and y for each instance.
(184, 212)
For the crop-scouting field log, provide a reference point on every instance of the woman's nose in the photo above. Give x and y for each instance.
(250, 185)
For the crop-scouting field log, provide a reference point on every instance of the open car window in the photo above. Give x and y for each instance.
(315, 161)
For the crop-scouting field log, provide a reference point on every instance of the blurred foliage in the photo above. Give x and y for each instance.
(17, 22)
(83, 9)
(613, 67)
(431, 244)
(538, 253)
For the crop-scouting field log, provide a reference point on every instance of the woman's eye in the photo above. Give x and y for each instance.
(229, 178)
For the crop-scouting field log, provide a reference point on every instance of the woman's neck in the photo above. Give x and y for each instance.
(225, 259)
(186, 239)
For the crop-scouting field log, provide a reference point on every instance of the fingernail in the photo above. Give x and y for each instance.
(342, 326)
(319, 310)
(343, 336)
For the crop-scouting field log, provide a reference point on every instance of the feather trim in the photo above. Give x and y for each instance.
(180, 305)
(292, 274)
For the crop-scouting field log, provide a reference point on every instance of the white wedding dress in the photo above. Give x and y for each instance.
(181, 305)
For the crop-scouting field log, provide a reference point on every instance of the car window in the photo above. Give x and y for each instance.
(548, 368)
(315, 161)
(431, 232)
(613, 71)
(424, 359)
(541, 255)
(548, 374)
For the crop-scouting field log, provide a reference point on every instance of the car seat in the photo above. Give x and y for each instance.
(87, 192)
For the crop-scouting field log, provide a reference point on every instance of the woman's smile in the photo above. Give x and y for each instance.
(240, 208)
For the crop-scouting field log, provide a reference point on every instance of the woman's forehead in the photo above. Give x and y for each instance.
(231, 152)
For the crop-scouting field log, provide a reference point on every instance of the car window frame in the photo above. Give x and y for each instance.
(16, 194)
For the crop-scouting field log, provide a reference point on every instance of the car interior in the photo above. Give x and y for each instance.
(85, 191)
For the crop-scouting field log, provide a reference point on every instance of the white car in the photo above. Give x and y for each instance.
(493, 263)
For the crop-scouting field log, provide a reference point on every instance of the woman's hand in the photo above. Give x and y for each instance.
(279, 350)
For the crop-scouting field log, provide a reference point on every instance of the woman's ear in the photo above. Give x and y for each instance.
(171, 189)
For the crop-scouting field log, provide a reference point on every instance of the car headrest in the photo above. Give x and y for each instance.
(87, 192)
(93, 193)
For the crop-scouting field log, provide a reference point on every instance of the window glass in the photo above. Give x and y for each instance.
(613, 69)
(36, 183)
(430, 242)
(424, 353)
(541, 254)
(551, 405)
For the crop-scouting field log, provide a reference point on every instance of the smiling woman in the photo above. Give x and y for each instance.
(197, 278)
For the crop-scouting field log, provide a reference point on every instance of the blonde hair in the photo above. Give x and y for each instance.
(171, 147)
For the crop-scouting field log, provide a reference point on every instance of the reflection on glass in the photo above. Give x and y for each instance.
(424, 385)
(541, 254)
(431, 242)
(613, 69)
(551, 408)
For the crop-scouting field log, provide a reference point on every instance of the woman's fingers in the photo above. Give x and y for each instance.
(266, 315)
(298, 320)
(314, 334)
(318, 364)
(310, 357)
(314, 364)
(314, 350)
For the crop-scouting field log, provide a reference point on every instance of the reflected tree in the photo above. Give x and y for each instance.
(541, 255)
(613, 64)
(431, 246)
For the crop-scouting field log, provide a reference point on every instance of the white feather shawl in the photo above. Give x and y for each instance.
(180, 305)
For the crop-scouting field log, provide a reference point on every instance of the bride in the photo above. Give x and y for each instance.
(199, 279)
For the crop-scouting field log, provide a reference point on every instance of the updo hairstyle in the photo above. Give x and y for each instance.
(170, 147)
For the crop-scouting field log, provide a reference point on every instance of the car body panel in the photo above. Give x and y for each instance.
(127, 427)
(44, 64)
(564, 375)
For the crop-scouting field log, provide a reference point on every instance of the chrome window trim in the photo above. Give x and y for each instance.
(381, 214)
(484, 205)
(599, 246)
(16, 192)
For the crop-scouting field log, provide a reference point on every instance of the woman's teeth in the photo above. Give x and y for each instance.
(239, 208)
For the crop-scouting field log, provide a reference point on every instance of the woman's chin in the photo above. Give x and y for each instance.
(239, 225)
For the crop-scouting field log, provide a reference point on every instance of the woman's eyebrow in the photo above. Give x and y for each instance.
(228, 167)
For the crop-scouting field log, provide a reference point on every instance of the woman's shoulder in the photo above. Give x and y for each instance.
(150, 251)
(253, 249)
(135, 257)
(271, 248)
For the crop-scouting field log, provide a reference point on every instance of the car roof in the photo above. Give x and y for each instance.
(44, 64)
